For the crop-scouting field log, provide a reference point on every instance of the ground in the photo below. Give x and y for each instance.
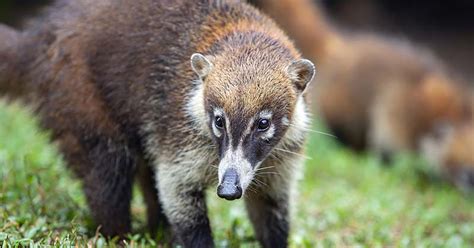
(345, 199)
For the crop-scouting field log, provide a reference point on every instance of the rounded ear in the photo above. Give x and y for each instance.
(301, 72)
(200, 64)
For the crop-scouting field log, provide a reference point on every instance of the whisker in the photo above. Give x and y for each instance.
(314, 131)
(260, 182)
(265, 168)
(267, 173)
(252, 189)
(254, 183)
(274, 156)
(294, 153)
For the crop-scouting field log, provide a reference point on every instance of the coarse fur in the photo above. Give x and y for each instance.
(388, 96)
(134, 87)
(379, 93)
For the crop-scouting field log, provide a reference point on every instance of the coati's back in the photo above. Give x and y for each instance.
(101, 49)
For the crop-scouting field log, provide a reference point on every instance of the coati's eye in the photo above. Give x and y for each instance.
(219, 122)
(263, 125)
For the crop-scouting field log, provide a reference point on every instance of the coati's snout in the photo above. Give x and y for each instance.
(235, 173)
(230, 188)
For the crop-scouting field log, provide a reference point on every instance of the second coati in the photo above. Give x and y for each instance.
(201, 91)
(450, 149)
(378, 93)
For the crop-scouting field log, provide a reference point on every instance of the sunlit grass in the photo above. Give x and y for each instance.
(345, 199)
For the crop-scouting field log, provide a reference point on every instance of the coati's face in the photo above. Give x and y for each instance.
(450, 149)
(248, 109)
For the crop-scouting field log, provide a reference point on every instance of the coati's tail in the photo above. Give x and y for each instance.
(9, 74)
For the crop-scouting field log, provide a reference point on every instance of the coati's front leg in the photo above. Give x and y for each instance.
(268, 210)
(184, 204)
(148, 183)
(108, 185)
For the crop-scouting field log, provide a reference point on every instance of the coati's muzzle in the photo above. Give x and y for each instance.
(230, 188)
(235, 174)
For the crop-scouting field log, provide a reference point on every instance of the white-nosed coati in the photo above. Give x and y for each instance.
(379, 93)
(180, 86)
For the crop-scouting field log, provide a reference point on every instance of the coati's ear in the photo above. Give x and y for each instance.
(301, 72)
(201, 65)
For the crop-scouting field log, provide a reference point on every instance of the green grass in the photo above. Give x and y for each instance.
(345, 199)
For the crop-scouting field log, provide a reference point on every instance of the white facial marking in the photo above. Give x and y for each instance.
(227, 128)
(195, 106)
(266, 114)
(269, 133)
(236, 159)
(248, 130)
(285, 121)
(220, 112)
(298, 125)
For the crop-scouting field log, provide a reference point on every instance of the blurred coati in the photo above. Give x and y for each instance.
(375, 92)
(202, 91)
(389, 96)
(451, 150)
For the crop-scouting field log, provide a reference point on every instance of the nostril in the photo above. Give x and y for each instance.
(229, 192)
(239, 191)
(229, 188)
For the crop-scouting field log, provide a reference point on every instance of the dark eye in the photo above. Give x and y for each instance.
(219, 122)
(263, 125)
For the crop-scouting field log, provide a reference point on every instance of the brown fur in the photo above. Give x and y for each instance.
(304, 23)
(8, 40)
(371, 91)
(112, 82)
(449, 146)
(459, 155)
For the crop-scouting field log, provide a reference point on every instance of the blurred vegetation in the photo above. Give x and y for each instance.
(345, 200)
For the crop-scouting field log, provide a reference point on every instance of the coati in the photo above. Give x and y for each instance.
(373, 92)
(389, 96)
(450, 149)
(201, 91)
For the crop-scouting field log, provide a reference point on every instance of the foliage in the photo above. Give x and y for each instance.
(345, 199)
